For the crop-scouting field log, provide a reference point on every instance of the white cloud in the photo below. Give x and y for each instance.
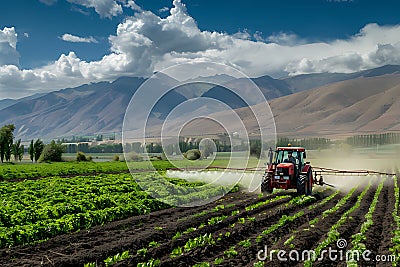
(76, 39)
(48, 2)
(164, 9)
(131, 4)
(286, 39)
(8, 47)
(145, 43)
(244, 35)
(105, 8)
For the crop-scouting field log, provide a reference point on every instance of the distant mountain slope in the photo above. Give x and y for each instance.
(5, 103)
(308, 81)
(92, 108)
(361, 105)
(358, 106)
(270, 88)
(367, 103)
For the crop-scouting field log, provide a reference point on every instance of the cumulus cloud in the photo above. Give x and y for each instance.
(105, 8)
(145, 42)
(283, 38)
(76, 39)
(8, 47)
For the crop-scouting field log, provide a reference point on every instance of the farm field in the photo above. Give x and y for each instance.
(98, 216)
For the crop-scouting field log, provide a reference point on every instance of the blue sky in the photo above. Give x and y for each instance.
(47, 44)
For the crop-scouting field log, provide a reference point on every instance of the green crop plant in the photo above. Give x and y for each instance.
(218, 219)
(142, 252)
(218, 261)
(235, 212)
(153, 244)
(245, 243)
(263, 203)
(150, 263)
(202, 264)
(117, 258)
(231, 252)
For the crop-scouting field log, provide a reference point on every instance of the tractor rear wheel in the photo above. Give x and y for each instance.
(266, 184)
(301, 184)
(308, 185)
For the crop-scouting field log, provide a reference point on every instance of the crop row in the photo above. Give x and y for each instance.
(326, 213)
(359, 238)
(28, 171)
(333, 235)
(283, 221)
(247, 243)
(200, 239)
(36, 210)
(396, 234)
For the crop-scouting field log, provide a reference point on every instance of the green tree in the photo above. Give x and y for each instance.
(31, 151)
(38, 147)
(18, 150)
(52, 152)
(6, 142)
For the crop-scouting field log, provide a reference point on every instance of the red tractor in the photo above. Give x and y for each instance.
(288, 170)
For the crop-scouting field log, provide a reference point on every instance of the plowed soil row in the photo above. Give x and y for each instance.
(133, 233)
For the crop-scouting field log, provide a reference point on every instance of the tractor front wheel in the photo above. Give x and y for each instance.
(266, 184)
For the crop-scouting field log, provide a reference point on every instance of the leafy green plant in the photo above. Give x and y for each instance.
(217, 219)
(153, 244)
(245, 243)
(218, 261)
(241, 220)
(177, 235)
(178, 251)
(235, 212)
(117, 258)
(202, 264)
(150, 263)
(142, 252)
(231, 252)
(251, 219)
(189, 230)
(263, 203)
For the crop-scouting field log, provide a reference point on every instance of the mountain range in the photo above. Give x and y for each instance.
(305, 105)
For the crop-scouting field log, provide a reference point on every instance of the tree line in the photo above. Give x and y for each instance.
(307, 143)
(369, 140)
(8, 147)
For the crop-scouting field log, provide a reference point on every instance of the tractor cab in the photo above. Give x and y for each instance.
(289, 159)
(288, 170)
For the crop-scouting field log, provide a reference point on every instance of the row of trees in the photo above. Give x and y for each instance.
(35, 150)
(7, 145)
(308, 143)
(373, 139)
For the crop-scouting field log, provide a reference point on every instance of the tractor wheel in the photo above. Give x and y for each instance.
(308, 185)
(301, 184)
(265, 184)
